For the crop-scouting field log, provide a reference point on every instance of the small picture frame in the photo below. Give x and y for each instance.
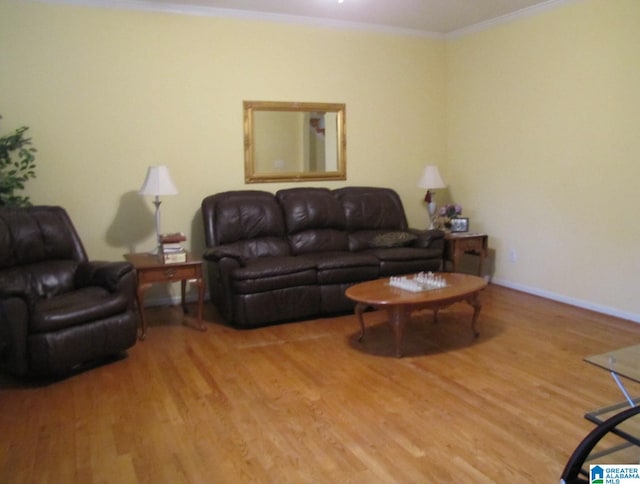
(460, 224)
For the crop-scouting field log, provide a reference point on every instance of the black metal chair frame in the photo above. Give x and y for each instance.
(573, 470)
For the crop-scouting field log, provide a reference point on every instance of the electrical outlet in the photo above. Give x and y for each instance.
(513, 255)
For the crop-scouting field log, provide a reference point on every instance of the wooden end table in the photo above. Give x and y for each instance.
(150, 269)
(456, 244)
(400, 303)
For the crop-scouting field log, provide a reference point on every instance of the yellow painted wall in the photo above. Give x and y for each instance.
(108, 92)
(534, 125)
(543, 143)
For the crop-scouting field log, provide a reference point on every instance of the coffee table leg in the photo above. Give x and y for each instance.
(474, 302)
(398, 316)
(360, 307)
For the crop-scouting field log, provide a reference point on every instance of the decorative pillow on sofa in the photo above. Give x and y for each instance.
(392, 239)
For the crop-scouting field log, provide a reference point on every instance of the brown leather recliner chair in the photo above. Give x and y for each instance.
(58, 310)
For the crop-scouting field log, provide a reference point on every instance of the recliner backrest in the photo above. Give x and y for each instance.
(251, 218)
(39, 251)
(314, 219)
(371, 208)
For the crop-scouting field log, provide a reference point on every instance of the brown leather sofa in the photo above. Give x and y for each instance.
(290, 256)
(58, 310)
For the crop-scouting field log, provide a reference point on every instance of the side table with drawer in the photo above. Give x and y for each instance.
(458, 243)
(150, 269)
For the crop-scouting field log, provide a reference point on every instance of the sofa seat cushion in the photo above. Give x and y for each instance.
(407, 260)
(270, 273)
(75, 307)
(343, 267)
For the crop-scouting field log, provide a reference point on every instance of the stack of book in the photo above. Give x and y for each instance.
(172, 249)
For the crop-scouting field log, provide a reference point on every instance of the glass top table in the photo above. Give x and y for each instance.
(624, 362)
(620, 443)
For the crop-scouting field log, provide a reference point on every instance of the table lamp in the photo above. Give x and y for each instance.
(431, 180)
(158, 182)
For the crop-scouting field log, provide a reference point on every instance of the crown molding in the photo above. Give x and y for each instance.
(510, 17)
(172, 8)
(182, 9)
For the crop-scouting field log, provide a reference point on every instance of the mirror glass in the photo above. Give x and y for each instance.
(287, 141)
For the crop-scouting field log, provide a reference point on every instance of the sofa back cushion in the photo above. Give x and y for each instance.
(39, 252)
(314, 220)
(251, 220)
(371, 208)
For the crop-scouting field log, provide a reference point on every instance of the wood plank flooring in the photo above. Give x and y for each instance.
(306, 402)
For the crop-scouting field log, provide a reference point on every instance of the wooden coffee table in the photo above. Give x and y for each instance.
(400, 303)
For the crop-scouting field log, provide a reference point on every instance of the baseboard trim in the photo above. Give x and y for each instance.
(598, 308)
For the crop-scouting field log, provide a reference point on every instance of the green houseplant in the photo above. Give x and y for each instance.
(17, 165)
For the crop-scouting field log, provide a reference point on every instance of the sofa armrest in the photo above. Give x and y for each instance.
(432, 238)
(217, 253)
(101, 273)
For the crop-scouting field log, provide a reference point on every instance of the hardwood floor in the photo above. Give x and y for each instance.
(306, 402)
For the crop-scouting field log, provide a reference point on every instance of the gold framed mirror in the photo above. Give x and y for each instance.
(289, 141)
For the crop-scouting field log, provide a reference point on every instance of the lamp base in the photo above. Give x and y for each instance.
(155, 251)
(431, 206)
(158, 248)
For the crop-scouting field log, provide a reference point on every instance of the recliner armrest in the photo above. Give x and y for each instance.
(431, 238)
(215, 254)
(102, 273)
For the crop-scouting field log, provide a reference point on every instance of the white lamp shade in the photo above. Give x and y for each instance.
(431, 178)
(158, 182)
